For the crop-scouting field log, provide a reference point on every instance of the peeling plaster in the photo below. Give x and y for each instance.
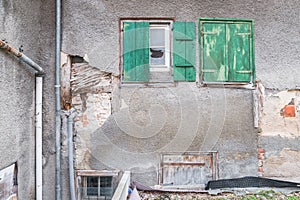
(91, 93)
(274, 121)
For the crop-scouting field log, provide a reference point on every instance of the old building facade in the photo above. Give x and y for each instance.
(177, 92)
(143, 113)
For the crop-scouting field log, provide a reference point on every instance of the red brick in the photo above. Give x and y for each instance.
(289, 111)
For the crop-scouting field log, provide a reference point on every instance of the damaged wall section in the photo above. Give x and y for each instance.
(89, 91)
(280, 135)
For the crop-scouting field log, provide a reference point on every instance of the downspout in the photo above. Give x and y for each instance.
(22, 57)
(39, 137)
(57, 97)
(71, 156)
(38, 114)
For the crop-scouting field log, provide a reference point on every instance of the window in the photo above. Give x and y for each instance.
(159, 46)
(97, 187)
(154, 49)
(226, 51)
(94, 184)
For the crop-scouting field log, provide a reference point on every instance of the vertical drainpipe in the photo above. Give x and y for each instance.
(39, 136)
(71, 156)
(57, 97)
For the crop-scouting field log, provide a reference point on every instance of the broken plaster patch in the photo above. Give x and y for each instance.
(280, 116)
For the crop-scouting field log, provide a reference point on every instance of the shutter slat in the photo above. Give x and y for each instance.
(214, 53)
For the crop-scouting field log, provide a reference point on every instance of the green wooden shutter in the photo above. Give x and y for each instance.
(184, 51)
(239, 51)
(214, 60)
(227, 52)
(136, 51)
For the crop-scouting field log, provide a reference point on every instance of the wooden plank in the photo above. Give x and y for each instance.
(122, 189)
(97, 173)
(189, 168)
(239, 37)
(214, 55)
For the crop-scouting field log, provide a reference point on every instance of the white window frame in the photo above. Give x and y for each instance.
(82, 181)
(85, 193)
(167, 46)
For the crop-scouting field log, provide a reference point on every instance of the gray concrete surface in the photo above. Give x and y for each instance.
(173, 119)
(31, 24)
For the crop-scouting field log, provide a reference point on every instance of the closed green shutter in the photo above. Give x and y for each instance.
(214, 52)
(136, 51)
(239, 44)
(184, 51)
(226, 48)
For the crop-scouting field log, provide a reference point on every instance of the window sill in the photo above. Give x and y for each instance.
(149, 84)
(242, 85)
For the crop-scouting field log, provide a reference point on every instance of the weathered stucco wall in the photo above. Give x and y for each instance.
(148, 121)
(184, 117)
(91, 27)
(30, 24)
(280, 134)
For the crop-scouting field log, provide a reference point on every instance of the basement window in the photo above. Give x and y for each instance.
(97, 187)
(94, 184)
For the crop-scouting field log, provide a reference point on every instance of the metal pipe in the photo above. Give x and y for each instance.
(22, 57)
(39, 137)
(57, 97)
(71, 156)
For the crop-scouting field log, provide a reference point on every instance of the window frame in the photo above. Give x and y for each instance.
(81, 181)
(167, 46)
(85, 186)
(251, 83)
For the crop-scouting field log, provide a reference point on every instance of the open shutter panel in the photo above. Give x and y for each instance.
(239, 50)
(136, 51)
(214, 63)
(128, 51)
(184, 51)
